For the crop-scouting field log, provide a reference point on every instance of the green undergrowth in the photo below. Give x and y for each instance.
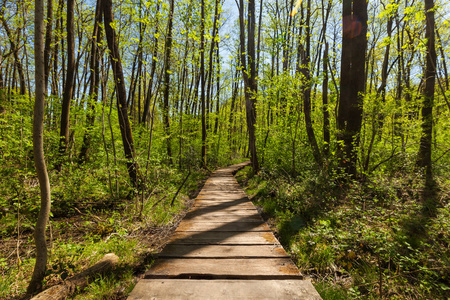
(91, 216)
(381, 237)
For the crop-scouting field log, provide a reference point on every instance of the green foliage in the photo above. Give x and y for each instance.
(346, 236)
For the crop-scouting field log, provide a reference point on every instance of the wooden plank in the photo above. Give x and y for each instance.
(223, 268)
(185, 289)
(222, 226)
(228, 251)
(223, 238)
(224, 218)
(223, 210)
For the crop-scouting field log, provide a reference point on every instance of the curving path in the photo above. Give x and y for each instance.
(223, 249)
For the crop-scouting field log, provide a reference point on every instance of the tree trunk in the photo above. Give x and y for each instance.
(116, 65)
(94, 62)
(79, 281)
(148, 98)
(326, 114)
(424, 155)
(48, 41)
(354, 45)
(168, 51)
(249, 75)
(69, 85)
(202, 79)
(38, 151)
(15, 51)
(306, 61)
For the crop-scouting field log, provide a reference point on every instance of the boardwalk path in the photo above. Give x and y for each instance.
(223, 250)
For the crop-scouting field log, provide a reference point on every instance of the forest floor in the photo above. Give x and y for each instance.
(80, 234)
(383, 237)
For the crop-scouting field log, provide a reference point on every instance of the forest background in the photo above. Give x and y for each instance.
(342, 106)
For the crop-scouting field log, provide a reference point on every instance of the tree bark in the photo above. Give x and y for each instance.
(94, 65)
(249, 75)
(38, 151)
(306, 61)
(15, 51)
(69, 85)
(116, 66)
(148, 98)
(326, 114)
(48, 41)
(354, 45)
(167, 54)
(425, 149)
(202, 79)
(79, 281)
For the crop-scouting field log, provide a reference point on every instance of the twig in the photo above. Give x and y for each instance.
(179, 189)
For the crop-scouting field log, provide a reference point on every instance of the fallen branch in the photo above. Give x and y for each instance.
(179, 189)
(78, 281)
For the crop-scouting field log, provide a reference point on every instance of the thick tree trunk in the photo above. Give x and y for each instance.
(354, 45)
(116, 65)
(38, 151)
(424, 156)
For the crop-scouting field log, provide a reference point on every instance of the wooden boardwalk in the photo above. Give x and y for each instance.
(223, 249)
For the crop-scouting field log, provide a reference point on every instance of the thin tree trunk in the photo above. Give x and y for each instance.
(249, 74)
(15, 52)
(38, 151)
(167, 54)
(306, 64)
(48, 41)
(94, 87)
(326, 114)
(69, 85)
(116, 65)
(202, 79)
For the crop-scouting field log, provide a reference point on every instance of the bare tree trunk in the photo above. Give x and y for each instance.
(326, 114)
(122, 108)
(306, 61)
(167, 54)
(94, 64)
(354, 45)
(148, 98)
(69, 85)
(38, 151)
(202, 79)
(15, 51)
(48, 41)
(249, 75)
(424, 155)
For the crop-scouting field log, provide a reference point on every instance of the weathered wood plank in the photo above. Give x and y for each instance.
(184, 289)
(228, 251)
(222, 226)
(223, 238)
(234, 268)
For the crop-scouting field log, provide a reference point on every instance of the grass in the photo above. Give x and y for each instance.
(87, 223)
(384, 237)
